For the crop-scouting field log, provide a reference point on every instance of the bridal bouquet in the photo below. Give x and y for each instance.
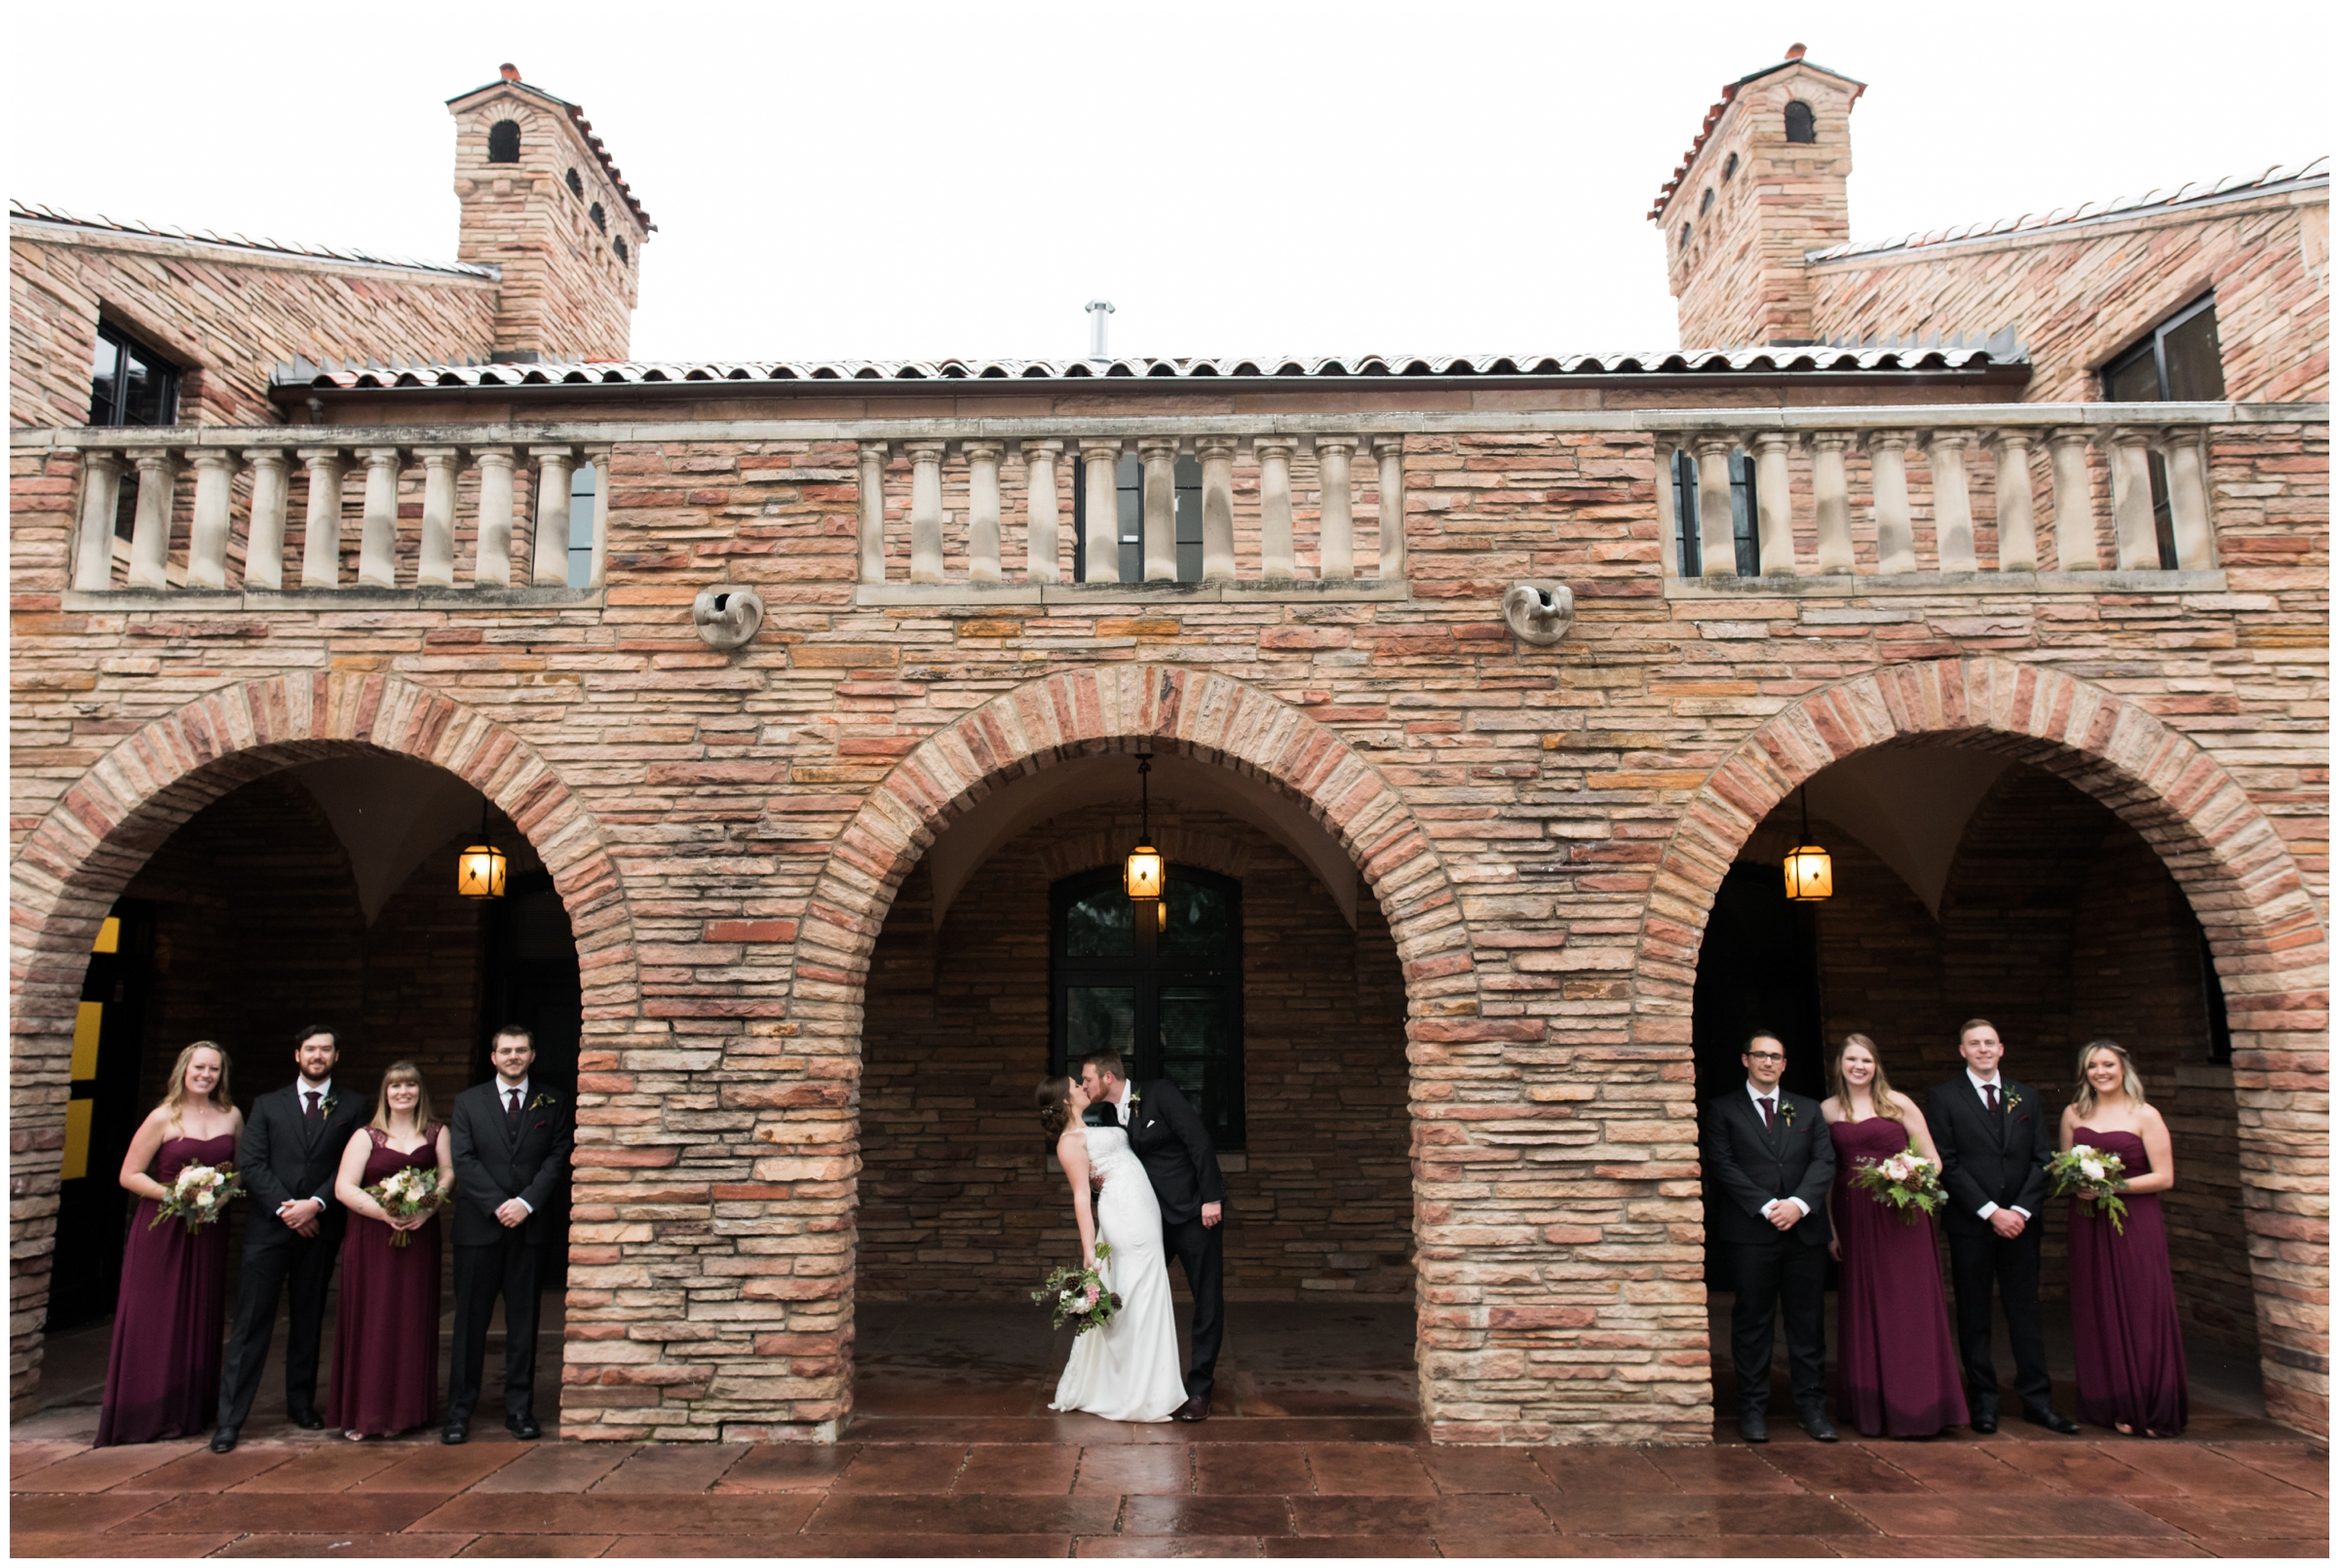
(2092, 1176)
(405, 1193)
(1079, 1296)
(1907, 1184)
(197, 1195)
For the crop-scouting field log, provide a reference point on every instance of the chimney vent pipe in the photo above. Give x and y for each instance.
(1098, 310)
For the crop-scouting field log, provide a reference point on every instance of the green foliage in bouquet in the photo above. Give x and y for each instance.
(2093, 1177)
(1079, 1297)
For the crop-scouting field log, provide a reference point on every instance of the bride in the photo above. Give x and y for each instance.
(1127, 1369)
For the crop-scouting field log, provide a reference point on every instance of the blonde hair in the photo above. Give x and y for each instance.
(1880, 1090)
(2132, 1083)
(402, 1072)
(175, 1098)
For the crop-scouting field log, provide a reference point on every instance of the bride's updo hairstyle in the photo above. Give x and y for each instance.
(1054, 1098)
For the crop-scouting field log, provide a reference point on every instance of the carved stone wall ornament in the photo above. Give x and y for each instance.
(1539, 613)
(727, 616)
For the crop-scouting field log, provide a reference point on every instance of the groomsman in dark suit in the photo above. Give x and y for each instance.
(291, 1153)
(1770, 1154)
(1995, 1141)
(511, 1141)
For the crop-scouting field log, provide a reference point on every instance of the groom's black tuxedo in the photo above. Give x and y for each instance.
(1169, 1140)
(1998, 1160)
(497, 1159)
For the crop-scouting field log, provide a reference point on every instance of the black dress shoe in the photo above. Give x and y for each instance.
(308, 1421)
(224, 1441)
(1985, 1421)
(2052, 1420)
(523, 1428)
(1198, 1409)
(1754, 1427)
(1816, 1423)
(456, 1431)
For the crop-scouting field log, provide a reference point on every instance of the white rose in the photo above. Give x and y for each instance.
(203, 1201)
(2091, 1169)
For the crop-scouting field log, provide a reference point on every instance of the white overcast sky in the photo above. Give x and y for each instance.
(913, 181)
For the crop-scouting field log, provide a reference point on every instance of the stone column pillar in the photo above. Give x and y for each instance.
(982, 511)
(377, 543)
(1217, 510)
(551, 569)
(1159, 530)
(2018, 530)
(605, 486)
(1952, 502)
(1041, 513)
(2189, 497)
(1101, 500)
(492, 561)
(206, 540)
(150, 528)
(1274, 508)
(321, 544)
(271, 495)
(435, 567)
(2075, 533)
(1775, 519)
(101, 498)
(873, 511)
(1391, 450)
(2139, 546)
(1888, 480)
(925, 509)
(1668, 511)
(1832, 502)
(1717, 550)
(1335, 521)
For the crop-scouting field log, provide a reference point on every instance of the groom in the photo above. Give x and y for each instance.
(1170, 1139)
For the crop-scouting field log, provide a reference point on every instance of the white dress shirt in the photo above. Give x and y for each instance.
(503, 1102)
(1121, 1103)
(1778, 1099)
(1979, 1083)
(324, 1092)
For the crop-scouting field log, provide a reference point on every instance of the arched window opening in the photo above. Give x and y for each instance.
(1729, 166)
(600, 219)
(1685, 239)
(619, 246)
(576, 184)
(1800, 124)
(503, 142)
(1706, 202)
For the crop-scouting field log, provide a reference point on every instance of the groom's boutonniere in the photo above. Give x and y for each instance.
(329, 1104)
(1786, 1110)
(541, 1101)
(2013, 1102)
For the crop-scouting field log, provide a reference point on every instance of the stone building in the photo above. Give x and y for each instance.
(1481, 696)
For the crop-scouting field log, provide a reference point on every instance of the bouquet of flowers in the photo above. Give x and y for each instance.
(1079, 1296)
(2092, 1176)
(405, 1193)
(197, 1195)
(1908, 1183)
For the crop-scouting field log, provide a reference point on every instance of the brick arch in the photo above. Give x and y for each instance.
(2264, 925)
(69, 869)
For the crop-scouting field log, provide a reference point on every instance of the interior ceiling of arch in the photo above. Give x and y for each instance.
(389, 812)
(1910, 805)
(1177, 781)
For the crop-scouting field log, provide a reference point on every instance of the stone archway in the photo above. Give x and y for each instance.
(68, 869)
(2264, 925)
(1090, 713)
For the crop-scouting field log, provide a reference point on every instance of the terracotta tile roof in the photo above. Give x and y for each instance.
(576, 117)
(35, 212)
(1713, 117)
(2233, 187)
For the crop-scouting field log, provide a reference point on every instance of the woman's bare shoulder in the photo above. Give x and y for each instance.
(1073, 1139)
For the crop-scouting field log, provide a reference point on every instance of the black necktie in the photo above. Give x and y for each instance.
(1770, 1117)
(312, 1115)
(512, 1111)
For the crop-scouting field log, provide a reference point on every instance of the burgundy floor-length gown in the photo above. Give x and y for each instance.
(1895, 1368)
(162, 1375)
(386, 1334)
(2127, 1348)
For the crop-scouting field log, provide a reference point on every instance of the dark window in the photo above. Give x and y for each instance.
(619, 246)
(1800, 125)
(1706, 202)
(576, 186)
(2212, 998)
(1128, 484)
(580, 526)
(1689, 550)
(600, 219)
(2178, 362)
(1685, 239)
(1164, 989)
(130, 384)
(503, 142)
(1729, 166)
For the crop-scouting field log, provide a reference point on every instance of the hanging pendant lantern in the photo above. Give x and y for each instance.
(1143, 874)
(1810, 870)
(480, 869)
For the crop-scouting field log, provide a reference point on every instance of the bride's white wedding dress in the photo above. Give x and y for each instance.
(1127, 1369)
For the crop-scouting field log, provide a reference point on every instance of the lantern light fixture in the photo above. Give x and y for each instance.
(1810, 870)
(1143, 874)
(480, 869)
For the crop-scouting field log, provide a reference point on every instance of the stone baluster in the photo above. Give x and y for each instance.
(150, 529)
(1274, 508)
(1717, 547)
(1217, 510)
(982, 511)
(551, 568)
(491, 560)
(207, 539)
(2183, 452)
(1832, 502)
(1952, 501)
(1668, 514)
(604, 486)
(435, 567)
(1041, 513)
(1160, 532)
(925, 509)
(1101, 502)
(2075, 534)
(1775, 523)
(2137, 542)
(377, 541)
(1888, 480)
(873, 455)
(2018, 530)
(271, 498)
(1335, 522)
(320, 541)
(101, 498)
(1391, 450)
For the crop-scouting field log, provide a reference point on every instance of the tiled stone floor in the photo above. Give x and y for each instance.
(1307, 1457)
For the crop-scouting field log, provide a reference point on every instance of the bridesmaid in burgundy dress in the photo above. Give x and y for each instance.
(162, 1376)
(1896, 1369)
(386, 1335)
(2128, 1347)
